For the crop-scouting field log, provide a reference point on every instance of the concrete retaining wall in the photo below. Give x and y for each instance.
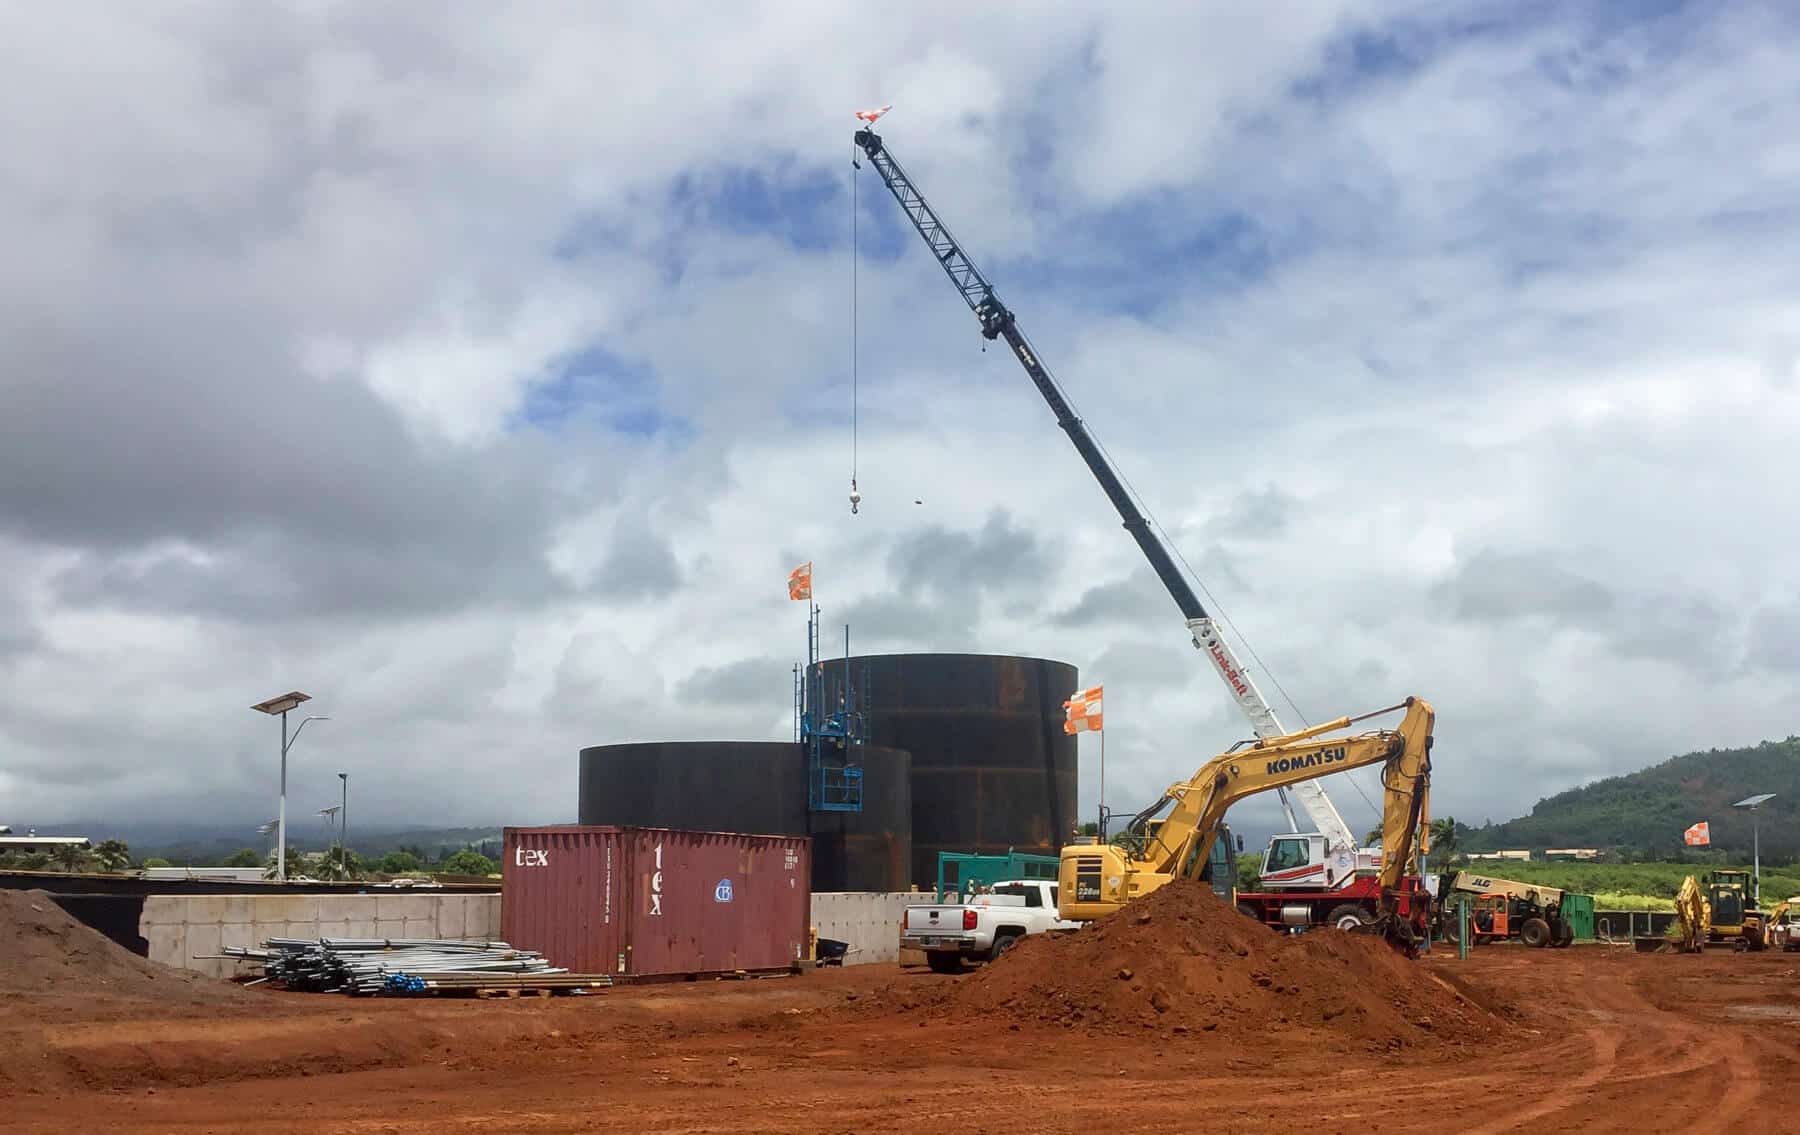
(868, 920)
(183, 928)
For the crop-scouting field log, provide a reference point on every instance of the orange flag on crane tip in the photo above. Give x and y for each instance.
(1700, 835)
(1084, 711)
(800, 582)
(870, 116)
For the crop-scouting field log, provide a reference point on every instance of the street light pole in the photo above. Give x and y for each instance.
(1751, 804)
(344, 819)
(281, 705)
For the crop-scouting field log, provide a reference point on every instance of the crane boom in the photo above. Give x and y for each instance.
(997, 322)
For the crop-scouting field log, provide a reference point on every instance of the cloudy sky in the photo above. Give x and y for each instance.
(483, 374)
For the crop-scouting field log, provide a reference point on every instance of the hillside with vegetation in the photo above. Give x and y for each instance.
(1641, 815)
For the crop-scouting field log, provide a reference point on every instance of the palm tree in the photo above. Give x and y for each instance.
(339, 863)
(113, 855)
(1443, 841)
(71, 857)
(1373, 838)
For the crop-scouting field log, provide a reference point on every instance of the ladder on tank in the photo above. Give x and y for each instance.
(833, 741)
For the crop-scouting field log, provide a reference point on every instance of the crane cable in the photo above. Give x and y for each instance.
(1217, 609)
(855, 312)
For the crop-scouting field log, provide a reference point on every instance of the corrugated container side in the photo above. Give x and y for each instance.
(561, 894)
(711, 902)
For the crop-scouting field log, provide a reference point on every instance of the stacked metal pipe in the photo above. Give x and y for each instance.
(406, 966)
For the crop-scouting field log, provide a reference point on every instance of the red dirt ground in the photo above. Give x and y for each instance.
(1698, 1044)
(1179, 962)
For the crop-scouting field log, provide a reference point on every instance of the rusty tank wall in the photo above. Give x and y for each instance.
(992, 768)
(870, 850)
(757, 787)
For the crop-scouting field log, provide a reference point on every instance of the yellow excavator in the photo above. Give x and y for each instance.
(1094, 881)
(1719, 909)
(1780, 932)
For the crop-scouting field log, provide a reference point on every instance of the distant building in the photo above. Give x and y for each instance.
(47, 844)
(213, 874)
(1523, 855)
(1572, 853)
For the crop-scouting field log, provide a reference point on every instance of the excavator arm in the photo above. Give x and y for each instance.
(1693, 916)
(1094, 881)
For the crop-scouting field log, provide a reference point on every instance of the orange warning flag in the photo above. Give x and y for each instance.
(1084, 709)
(870, 116)
(800, 582)
(1700, 835)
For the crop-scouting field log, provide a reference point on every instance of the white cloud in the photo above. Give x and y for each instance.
(1512, 308)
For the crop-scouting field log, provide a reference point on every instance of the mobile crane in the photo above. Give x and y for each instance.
(1322, 861)
(1094, 881)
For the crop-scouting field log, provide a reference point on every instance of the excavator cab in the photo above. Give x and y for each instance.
(1735, 919)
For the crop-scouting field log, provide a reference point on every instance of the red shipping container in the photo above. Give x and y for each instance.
(656, 902)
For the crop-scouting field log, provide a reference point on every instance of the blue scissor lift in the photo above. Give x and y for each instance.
(834, 739)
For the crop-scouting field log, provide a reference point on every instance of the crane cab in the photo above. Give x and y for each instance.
(1302, 862)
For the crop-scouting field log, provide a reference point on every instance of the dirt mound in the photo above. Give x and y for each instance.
(1180, 960)
(45, 951)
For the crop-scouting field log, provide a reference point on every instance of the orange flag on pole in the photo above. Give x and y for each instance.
(800, 582)
(1700, 835)
(1084, 711)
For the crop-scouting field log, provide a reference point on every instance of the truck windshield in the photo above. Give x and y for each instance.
(1032, 895)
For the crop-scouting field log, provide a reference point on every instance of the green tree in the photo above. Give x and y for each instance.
(113, 855)
(295, 860)
(154, 861)
(1249, 873)
(1373, 838)
(71, 858)
(339, 863)
(246, 857)
(1444, 843)
(468, 862)
(33, 861)
(398, 862)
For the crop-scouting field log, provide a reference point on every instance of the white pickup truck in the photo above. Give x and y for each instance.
(984, 927)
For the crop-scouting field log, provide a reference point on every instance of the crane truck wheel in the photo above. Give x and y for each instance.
(1349, 916)
(1535, 933)
(1564, 934)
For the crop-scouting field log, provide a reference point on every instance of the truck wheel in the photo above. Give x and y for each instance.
(1349, 916)
(1001, 945)
(1564, 935)
(942, 961)
(1535, 933)
(1250, 911)
(1448, 928)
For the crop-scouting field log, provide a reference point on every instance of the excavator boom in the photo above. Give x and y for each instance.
(1094, 881)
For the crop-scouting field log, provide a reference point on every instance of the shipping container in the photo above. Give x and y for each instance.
(657, 902)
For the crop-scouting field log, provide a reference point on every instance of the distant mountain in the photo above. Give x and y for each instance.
(1645, 812)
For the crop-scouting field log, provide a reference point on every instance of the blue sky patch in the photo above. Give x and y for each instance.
(599, 386)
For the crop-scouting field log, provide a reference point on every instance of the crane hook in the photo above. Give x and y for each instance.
(855, 497)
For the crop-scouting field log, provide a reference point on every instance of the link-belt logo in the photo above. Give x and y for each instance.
(1226, 668)
(1310, 760)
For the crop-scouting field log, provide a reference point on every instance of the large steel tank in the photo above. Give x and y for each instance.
(757, 787)
(992, 769)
